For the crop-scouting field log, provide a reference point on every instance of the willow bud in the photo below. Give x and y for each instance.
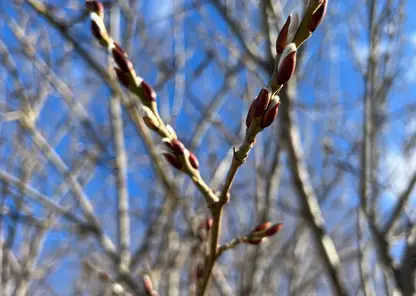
(123, 77)
(149, 93)
(318, 16)
(120, 57)
(173, 150)
(261, 102)
(177, 146)
(282, 38)
(271, 112)
(287, 64)
(193, 160)
(149, 118)
(273, 229)
(173, 160)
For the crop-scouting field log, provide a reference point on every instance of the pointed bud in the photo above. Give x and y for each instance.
(274, 229)
(271, 112)
(149, 93)
(261, 102)
(95, 6)
(149, 118)
(123, 77)
(287, 64)
(120, 57)
(262, 226)
(249, 117)
(318, 16)
(282, 38)
(193, 160)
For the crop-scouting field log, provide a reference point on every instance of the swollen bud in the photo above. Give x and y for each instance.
(175, 152)
(149, 93)
(271, 112)
(176, 146)
(123, 77)
(193, 160)
(117, 45)
(287, 64)
(274, 229)
(149, 118)
(262, 231)
(120, 57)
(172, 149)
(261, 102)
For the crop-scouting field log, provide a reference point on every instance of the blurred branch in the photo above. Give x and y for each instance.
(402, 200)
(310, 201)
(238, 31)
(123, 218)
(40, 198)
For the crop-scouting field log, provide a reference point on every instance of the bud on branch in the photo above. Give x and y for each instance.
(177, 155)
(318, 16)
(283, 36)
(263, 231)
(120, 57)
(287, 64)
(149, 118)
(263, 108)
(149, 93)
(271, 112)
